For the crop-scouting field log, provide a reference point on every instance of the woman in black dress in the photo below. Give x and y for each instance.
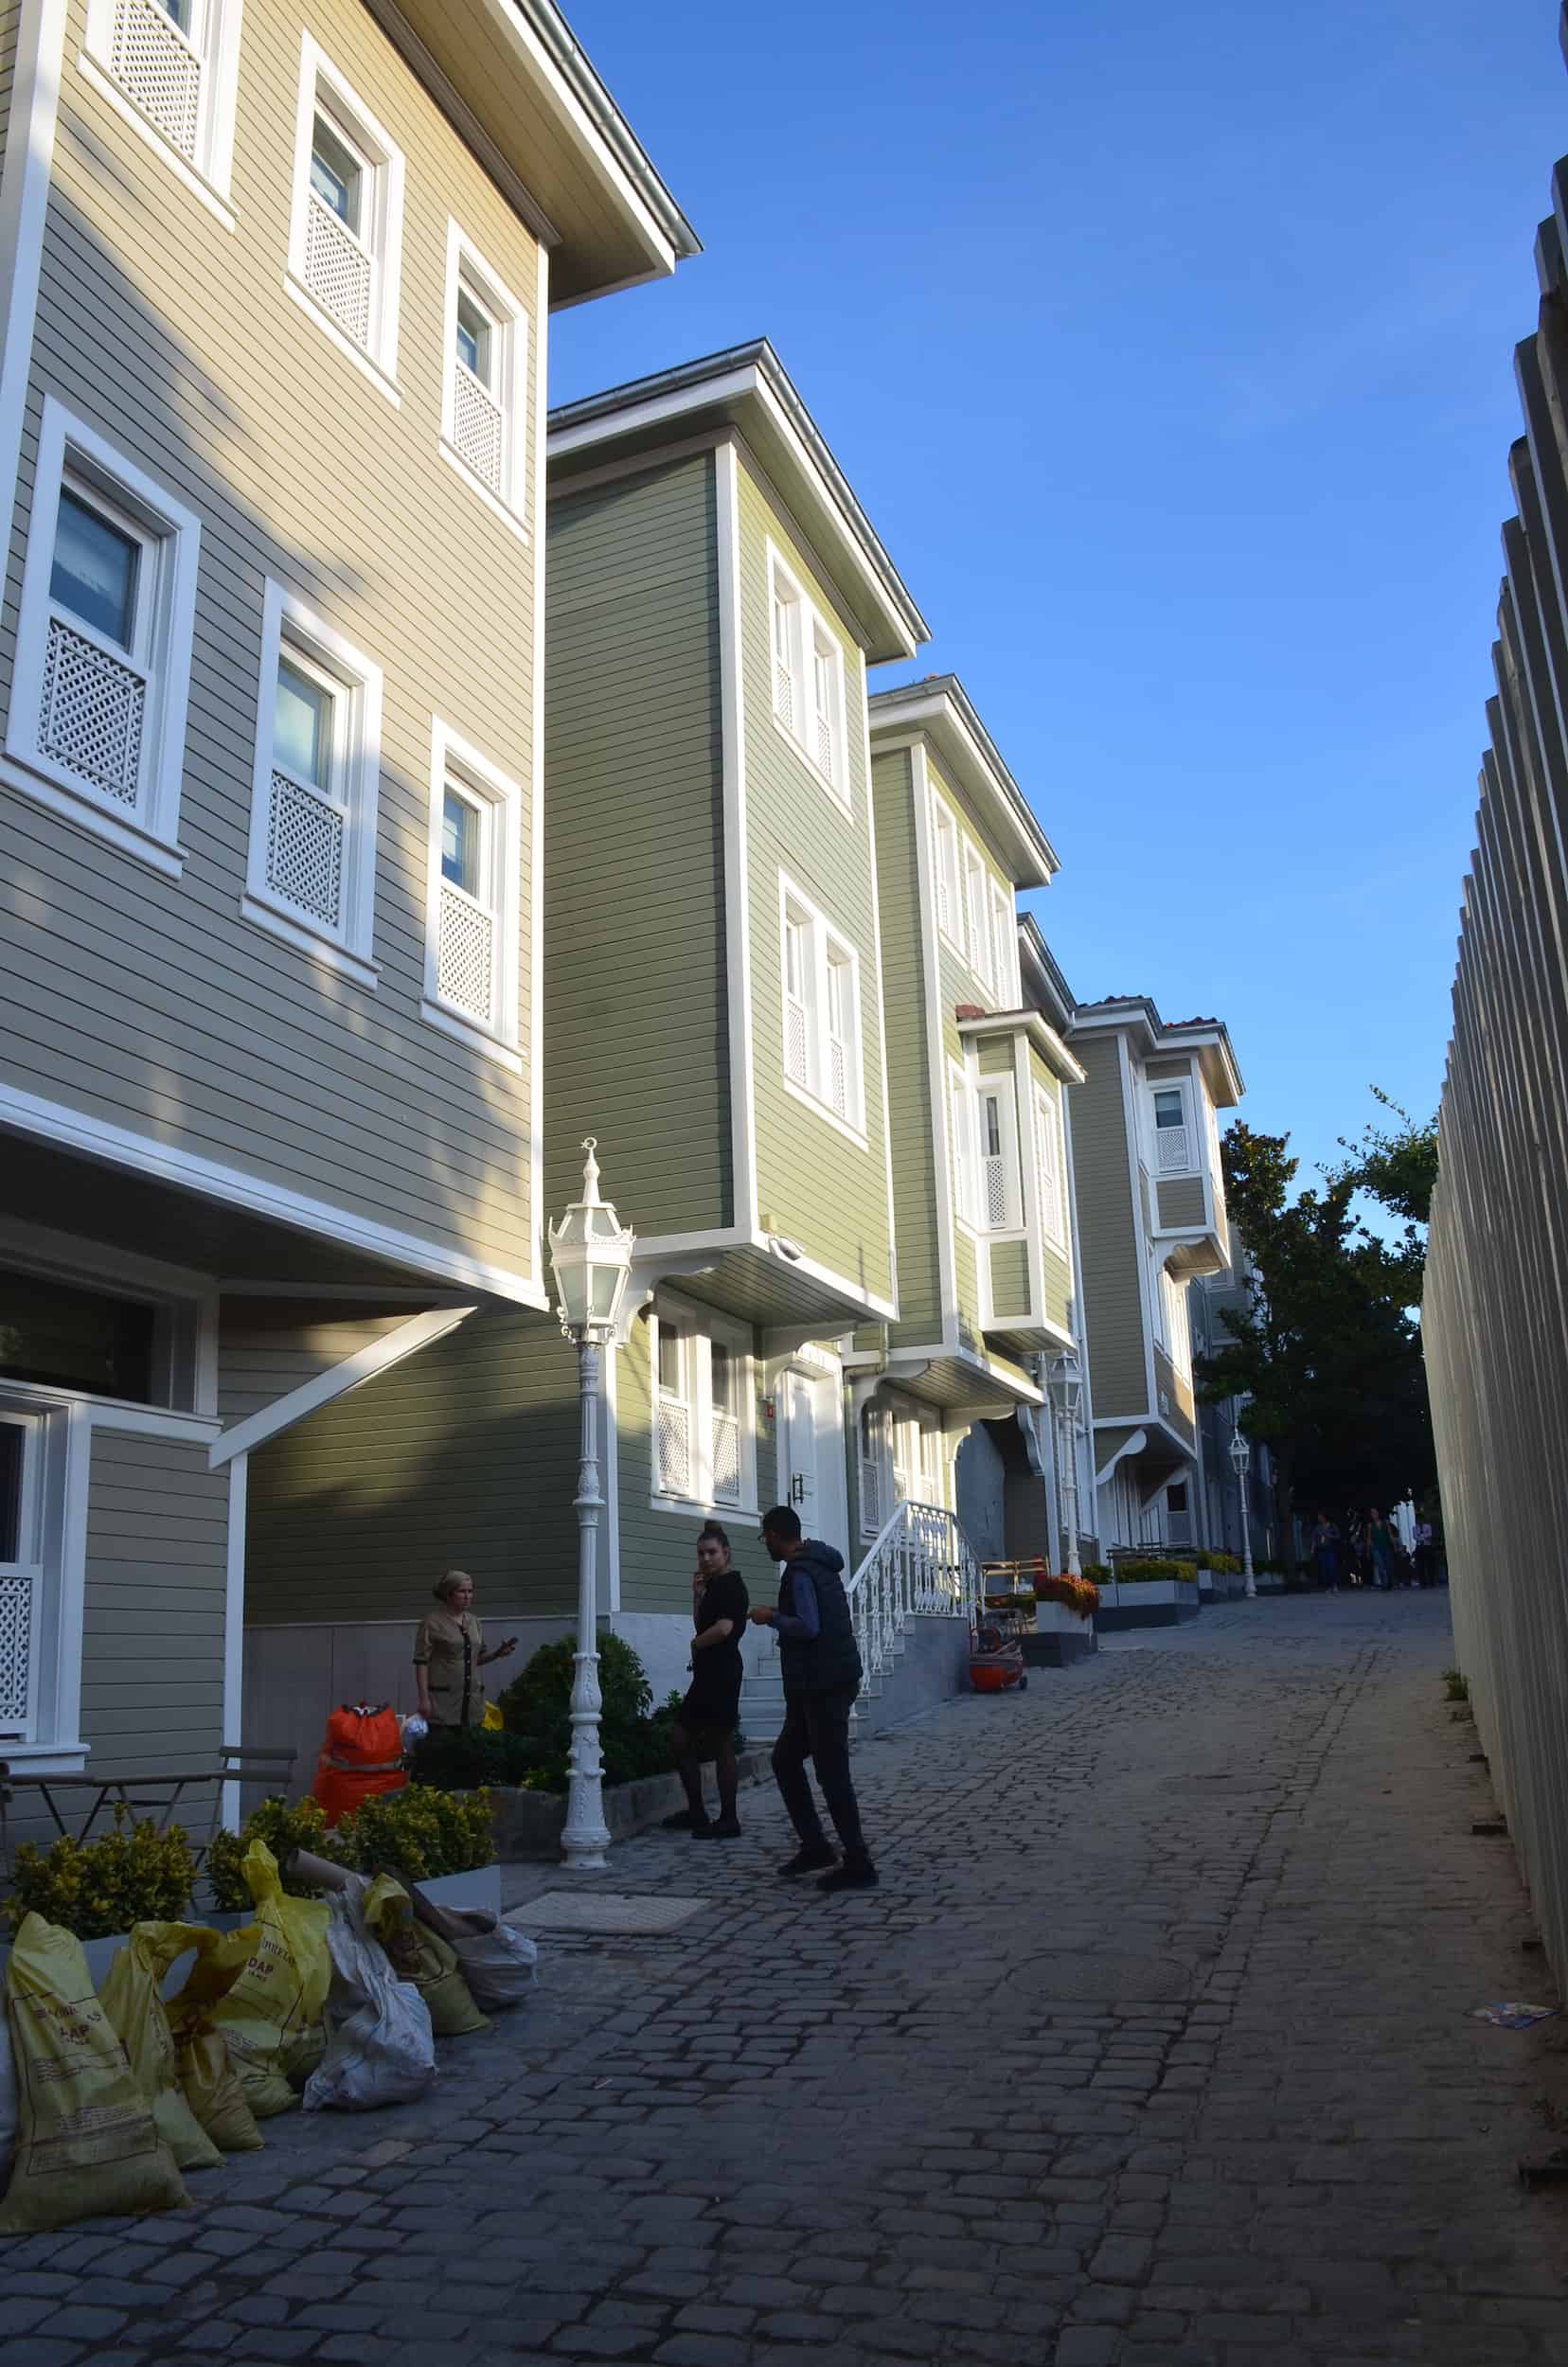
(705, 1728)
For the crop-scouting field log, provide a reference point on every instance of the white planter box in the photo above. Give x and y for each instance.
(1055, 1619)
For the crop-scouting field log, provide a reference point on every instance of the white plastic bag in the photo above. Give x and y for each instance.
(496, 1961)
(379, 2048)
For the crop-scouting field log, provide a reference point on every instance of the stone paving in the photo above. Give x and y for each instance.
(1152, 2047)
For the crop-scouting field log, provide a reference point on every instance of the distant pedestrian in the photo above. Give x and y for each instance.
(1425, 1558)
(1381, 1546)
(1325, 1554)
(706, 1727)
(821, 1665)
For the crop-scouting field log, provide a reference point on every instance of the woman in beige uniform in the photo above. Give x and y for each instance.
(449, 1653)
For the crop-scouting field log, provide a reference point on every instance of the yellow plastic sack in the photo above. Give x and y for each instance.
(274, 2001)
(422, 1957)
(212, 2091)
(132, 1999)
(492, 1721)
(88, 2145)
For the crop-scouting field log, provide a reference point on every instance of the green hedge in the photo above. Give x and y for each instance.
(1149, 1572)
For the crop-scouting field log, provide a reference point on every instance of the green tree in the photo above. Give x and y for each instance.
(1397, 1166)
(1325, 1348)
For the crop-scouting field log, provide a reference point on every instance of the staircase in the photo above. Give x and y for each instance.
(922, 1567)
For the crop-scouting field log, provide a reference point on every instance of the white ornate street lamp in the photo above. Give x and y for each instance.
(1067, 1388)
(592, 1257)
(1240, 1455)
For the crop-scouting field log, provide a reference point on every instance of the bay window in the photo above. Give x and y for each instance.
(704, 1425)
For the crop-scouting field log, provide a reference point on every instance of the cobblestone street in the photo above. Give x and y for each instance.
(1152, 2047)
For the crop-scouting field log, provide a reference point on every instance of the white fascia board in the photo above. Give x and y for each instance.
(376, 1355)
(1040, 1033)
(978, 775)
(742, 1082)
(122, 1147)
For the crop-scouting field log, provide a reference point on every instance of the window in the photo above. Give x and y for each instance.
(820, 978)
(310, 876)
(874, 1505)
(104, 634)
(1000, 1178)
(172, 69)
(704, 1425)
(57, 1331)
(808, 677)
(484, 380)
(345, 233)
(1009, 993)
(977, 914)
(950, 917)
(471, 976)
(22, 1607)
(1174, 1147)
(965, 1175)
(1050, 1166)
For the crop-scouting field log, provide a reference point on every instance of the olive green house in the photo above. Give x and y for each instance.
(976, 1085)
(1151, 1203)
(272, 471)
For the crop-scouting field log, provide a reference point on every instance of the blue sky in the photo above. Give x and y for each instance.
(1170, 352)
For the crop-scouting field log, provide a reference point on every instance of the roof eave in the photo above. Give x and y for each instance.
(943, 711)
(747, 388)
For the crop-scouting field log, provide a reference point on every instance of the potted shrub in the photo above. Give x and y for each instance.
(99, 1889)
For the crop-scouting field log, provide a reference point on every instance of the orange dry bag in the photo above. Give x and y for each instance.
(363, 1755)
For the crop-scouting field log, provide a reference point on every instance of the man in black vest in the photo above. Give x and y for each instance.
(822, 1674)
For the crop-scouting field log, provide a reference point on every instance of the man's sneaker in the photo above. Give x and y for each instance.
(857, 1872)
(681, 1821)
(809, 1857)
(722, 1829)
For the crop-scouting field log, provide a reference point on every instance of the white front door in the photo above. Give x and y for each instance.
(810, 1454)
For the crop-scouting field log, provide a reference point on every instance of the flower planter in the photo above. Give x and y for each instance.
(1148, 1603)
(1059, 1637)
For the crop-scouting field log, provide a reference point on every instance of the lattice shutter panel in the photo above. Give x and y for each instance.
(944, 892)
(726, 1458)
(672, 1446)
(304, 836)
(838, 1078)
(337, 270)
(16, 1646)
(465, 967)
(91, 716)
(870, 1494)
(155, 65)
(997, 1192)
(1175, 1158)
(794, 1038)
(478, 428)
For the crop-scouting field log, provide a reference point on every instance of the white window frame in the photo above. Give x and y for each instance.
(809, 634)
(1182, 1086)
(978, 917)
(964, 1128)
(455, 759)
(289, 627)
(947, 869)
(874, 1458)
(323, 90)
(822, 947)
(1010, 992)
(207, 172)
(71, 452)
(467, 273)
(1050, 1147)
(700, 1328)
(1001, 1088)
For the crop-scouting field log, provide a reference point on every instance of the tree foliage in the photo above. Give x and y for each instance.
(1325, 1347)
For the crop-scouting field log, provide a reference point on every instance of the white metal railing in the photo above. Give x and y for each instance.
(921, 1562)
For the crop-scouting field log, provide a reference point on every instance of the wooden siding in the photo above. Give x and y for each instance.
(11, 16)
(152, 1622)
(1009, 1279)
(917, 1152)
(152, 1003)
(264, 1351)
(658, 1548)
(816, 1186)
(1174, 1395)
(1109, 1242)
(464, 1455)
(1181, 1203)
(634, 924)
